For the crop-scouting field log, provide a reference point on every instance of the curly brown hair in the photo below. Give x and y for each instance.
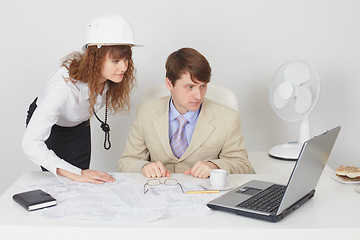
(86, 67)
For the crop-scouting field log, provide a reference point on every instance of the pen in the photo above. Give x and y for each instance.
(203, 191)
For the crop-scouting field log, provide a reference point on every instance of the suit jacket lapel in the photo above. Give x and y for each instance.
(202, 130)
(161, 126)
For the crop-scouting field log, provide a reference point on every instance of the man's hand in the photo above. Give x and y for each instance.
(88, 175)
(202, 169)
(155, 169)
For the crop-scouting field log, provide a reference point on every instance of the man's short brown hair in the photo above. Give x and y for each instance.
(187, 60)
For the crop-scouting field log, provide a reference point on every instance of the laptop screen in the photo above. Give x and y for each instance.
(309, 166)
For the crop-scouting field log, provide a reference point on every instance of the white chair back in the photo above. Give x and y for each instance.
(216, 93)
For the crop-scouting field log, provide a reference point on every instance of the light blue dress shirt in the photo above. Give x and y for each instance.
(191, 116)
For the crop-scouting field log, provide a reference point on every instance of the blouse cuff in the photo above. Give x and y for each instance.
(68, 167)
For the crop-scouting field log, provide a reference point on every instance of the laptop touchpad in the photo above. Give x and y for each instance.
(248, 191)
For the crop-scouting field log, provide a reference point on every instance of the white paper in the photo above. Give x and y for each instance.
(123, 201)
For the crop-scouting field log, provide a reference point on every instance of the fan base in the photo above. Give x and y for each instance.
(288, 151)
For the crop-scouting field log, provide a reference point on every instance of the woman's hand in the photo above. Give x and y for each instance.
(88, 175)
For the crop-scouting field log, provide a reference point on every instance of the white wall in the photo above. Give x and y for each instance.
(245, 42)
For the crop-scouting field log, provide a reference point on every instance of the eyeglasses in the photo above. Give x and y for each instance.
(157, 182)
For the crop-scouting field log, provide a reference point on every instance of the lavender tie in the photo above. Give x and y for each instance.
(178, 142)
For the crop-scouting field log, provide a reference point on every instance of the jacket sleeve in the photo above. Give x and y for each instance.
(233, 156)
(136, 153)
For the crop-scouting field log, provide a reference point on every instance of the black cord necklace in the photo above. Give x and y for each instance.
(105, 127)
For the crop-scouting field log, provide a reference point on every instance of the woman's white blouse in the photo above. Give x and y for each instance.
(63, 103)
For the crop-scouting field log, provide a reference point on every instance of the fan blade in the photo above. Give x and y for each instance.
(303, 99)
(286, 90)
(297, 73)
(279, 101)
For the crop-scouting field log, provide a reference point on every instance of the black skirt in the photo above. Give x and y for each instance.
(73, 144)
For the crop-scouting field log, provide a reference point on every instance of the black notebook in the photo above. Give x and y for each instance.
(33, 200)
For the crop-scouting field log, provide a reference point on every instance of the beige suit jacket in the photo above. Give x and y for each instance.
(217, 138)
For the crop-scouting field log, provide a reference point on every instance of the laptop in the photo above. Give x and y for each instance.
(272, 202)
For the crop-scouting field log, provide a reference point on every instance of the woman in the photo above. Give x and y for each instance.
(58, 129)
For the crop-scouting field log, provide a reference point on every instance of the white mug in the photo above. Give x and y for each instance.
(218, 178)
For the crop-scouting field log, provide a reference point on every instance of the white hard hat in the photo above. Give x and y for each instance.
(109, 30)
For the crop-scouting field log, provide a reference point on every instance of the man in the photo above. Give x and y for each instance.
(185, 133)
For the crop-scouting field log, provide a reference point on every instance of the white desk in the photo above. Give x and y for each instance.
(331, 214)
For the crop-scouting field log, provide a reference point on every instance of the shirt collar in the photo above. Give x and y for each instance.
(84, 90)
(189, 115)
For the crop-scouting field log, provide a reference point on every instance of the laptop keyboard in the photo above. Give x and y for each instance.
(267, 200)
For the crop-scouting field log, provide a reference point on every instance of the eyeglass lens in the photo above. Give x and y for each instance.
(167, 182)
(153, 182)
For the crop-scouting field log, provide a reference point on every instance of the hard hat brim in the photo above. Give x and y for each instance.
(111, 44)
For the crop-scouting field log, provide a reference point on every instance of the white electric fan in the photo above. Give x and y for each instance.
(294, 91)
